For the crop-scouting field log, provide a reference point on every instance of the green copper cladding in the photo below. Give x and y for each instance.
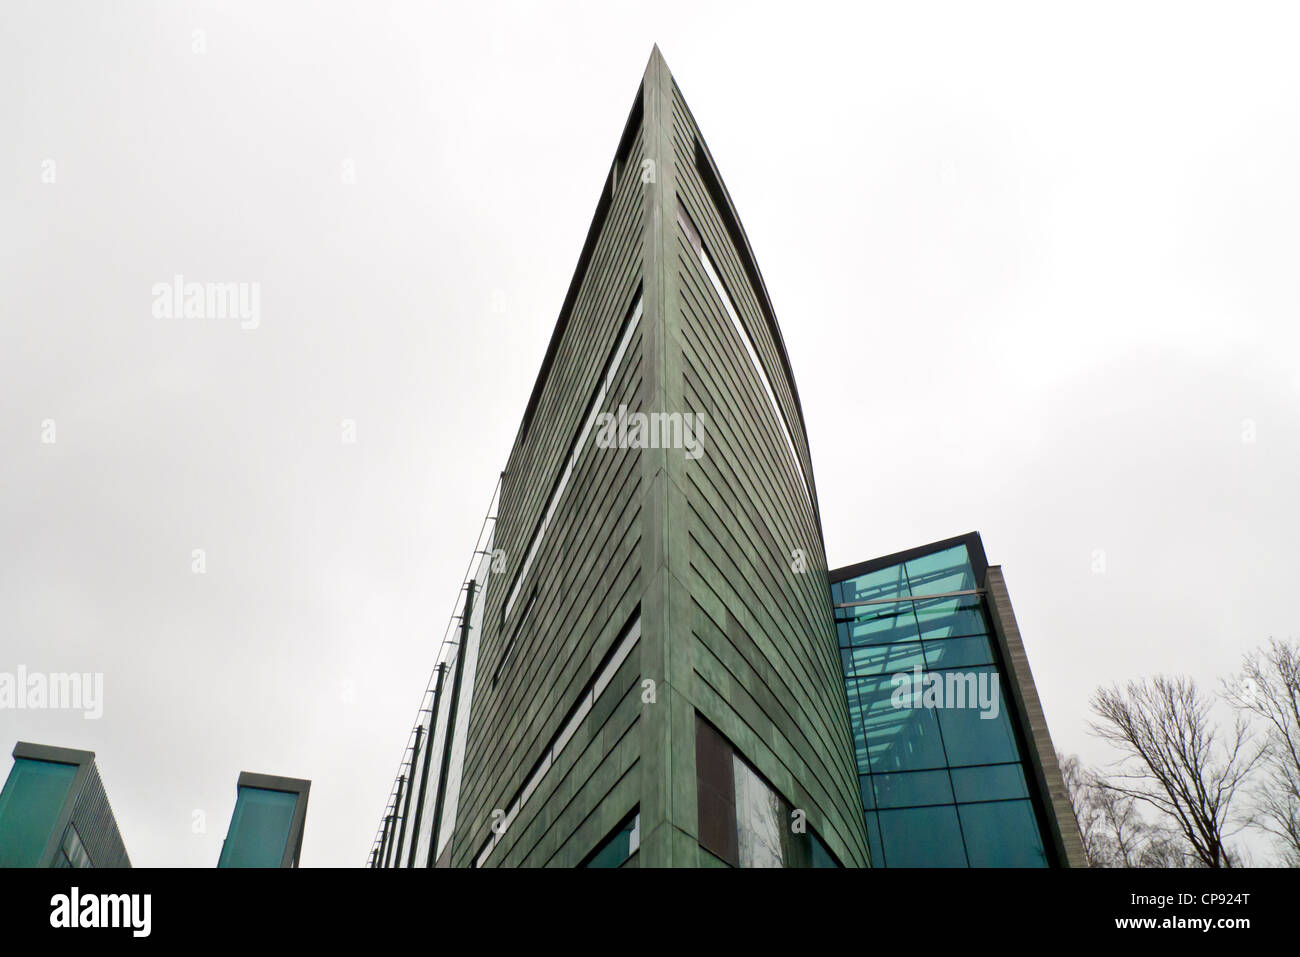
(582, 750)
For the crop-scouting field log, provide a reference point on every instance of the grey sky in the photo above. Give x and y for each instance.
(1034, 270)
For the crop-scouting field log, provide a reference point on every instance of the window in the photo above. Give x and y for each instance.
(30, 804)
(742, 820)
(259, 828)
(617, 849)
(72, 851)
(1002, 834)
(909, 788)
(921, 837)
(760, 821)
(972, 737)
(693, 235)
(575, 450)
(959, 652)
(992, 782)
(614, 658)
(514, 639)
(897, 739)
(941, 786)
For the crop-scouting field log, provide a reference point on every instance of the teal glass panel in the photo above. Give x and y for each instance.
(1002, 834)
(922, 837)
(884, 583)
(760, 819)
(867, 791)
(619, 846)
(950, 617)
(910, 788)
(993, 783)
(959, 652)
(873, 840)
(857, 722)
(948, 570)
(924, 771)
(881, 624)
(820, 856)
(881, 659)
(898, 739)
(30, 804)
(980, 732)
(259, 828)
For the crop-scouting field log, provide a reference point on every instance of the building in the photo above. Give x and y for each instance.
(642, 668)
(649, 663)
(954, 759)
(54, 812)
(267, 824)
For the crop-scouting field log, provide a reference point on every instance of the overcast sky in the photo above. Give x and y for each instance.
(1037, 274)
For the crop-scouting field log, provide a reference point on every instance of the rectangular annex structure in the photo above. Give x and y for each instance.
(54, 812)
(956, 766)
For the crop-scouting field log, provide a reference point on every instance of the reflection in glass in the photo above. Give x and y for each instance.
(74, 852)
(950, 617)
(922, 837)
(620, 845)
(948, 570)
(973, 736)
(898, 739)
(881, 659)
(30, 803)
(940, 786)
(910, 788)
(959, 652)
(1002, 834)
(992, 783)
(759, 821)
(259, 828)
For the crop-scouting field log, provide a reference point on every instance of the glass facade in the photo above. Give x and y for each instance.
(259, 828)
(30, 804)
(54, 812)
(942, 777)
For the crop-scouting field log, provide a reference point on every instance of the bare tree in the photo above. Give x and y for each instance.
(1107, 826)
(1268, 688)
(1174, 759)
(1112, 829)
(1078, 791)
(1166, 847)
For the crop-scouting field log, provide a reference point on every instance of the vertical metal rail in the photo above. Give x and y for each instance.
(385, 840)
(451, 723)
(383, 844)
(406, 811)
(401, 783)
(428, 760)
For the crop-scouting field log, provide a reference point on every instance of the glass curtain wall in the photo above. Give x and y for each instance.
(942, 786)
